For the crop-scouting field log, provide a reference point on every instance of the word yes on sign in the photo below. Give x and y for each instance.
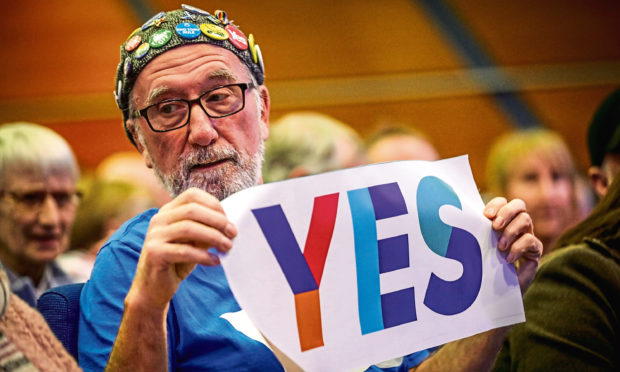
(286, 291)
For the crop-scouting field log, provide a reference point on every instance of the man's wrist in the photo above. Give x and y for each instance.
(139, 302)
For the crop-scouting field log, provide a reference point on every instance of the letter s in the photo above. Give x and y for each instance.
(448, 297)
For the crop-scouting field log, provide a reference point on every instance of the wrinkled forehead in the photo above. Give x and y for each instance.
(187, 67)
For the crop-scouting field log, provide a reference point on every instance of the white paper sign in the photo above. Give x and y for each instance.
(346, 269)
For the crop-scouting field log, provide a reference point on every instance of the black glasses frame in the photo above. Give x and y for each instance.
(244, 87)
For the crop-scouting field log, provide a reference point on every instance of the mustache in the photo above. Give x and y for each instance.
(207, 155)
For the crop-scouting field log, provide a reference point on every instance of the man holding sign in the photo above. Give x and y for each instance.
(190, 86)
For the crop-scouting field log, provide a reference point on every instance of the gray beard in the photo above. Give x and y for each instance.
(220, 182)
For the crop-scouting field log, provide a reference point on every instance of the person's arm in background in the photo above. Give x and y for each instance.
(518, 243)
(572, 314)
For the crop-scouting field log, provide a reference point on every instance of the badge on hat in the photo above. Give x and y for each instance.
(252, 48)
(188, 30)
(151, 21)
(213, 31)
(188, 16)
(159, 21)
(118, 92)
(133, 33)
(213, 20)
(222, 16)
(237, 38)
(259, 56)
(195, 10)
(127, 66)
(142, 50)
(133, 43)
(160, 38)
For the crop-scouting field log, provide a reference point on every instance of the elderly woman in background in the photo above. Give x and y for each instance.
(536, 166)
(38, 200)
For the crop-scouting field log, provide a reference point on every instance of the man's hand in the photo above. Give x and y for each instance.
(517, 240)
(178, 238)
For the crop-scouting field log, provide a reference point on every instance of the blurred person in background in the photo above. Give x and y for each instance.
(604, 143)
(536, 166)
(572, 306)
(128, 167)
(38, 200)
(106, 204)
(305, 142)
(399, 142)
(26, 342)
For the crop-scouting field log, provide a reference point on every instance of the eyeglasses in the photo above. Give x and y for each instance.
(34, 200)
(219, 102)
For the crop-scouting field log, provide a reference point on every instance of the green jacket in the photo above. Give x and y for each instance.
(572, 310)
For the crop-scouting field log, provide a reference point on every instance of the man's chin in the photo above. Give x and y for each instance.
(220, 190)
(221, 180)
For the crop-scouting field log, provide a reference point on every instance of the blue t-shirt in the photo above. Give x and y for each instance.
(198, 338)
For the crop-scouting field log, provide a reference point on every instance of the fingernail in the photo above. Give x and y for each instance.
(499, 222)
(226, 243)
(215, 258)
(502, 243)
(230, 230)
(489, 211)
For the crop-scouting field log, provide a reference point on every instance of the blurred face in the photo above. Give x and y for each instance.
(401, 147)
(36, 215)
(348, 153)
(220, 156)
(548, 194)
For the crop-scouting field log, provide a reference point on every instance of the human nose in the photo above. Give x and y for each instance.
(546, 187)
(201, 129)
(49, 213)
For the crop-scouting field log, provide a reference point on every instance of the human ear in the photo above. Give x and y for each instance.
(133, 130)
(598, 180)
(264, 114)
